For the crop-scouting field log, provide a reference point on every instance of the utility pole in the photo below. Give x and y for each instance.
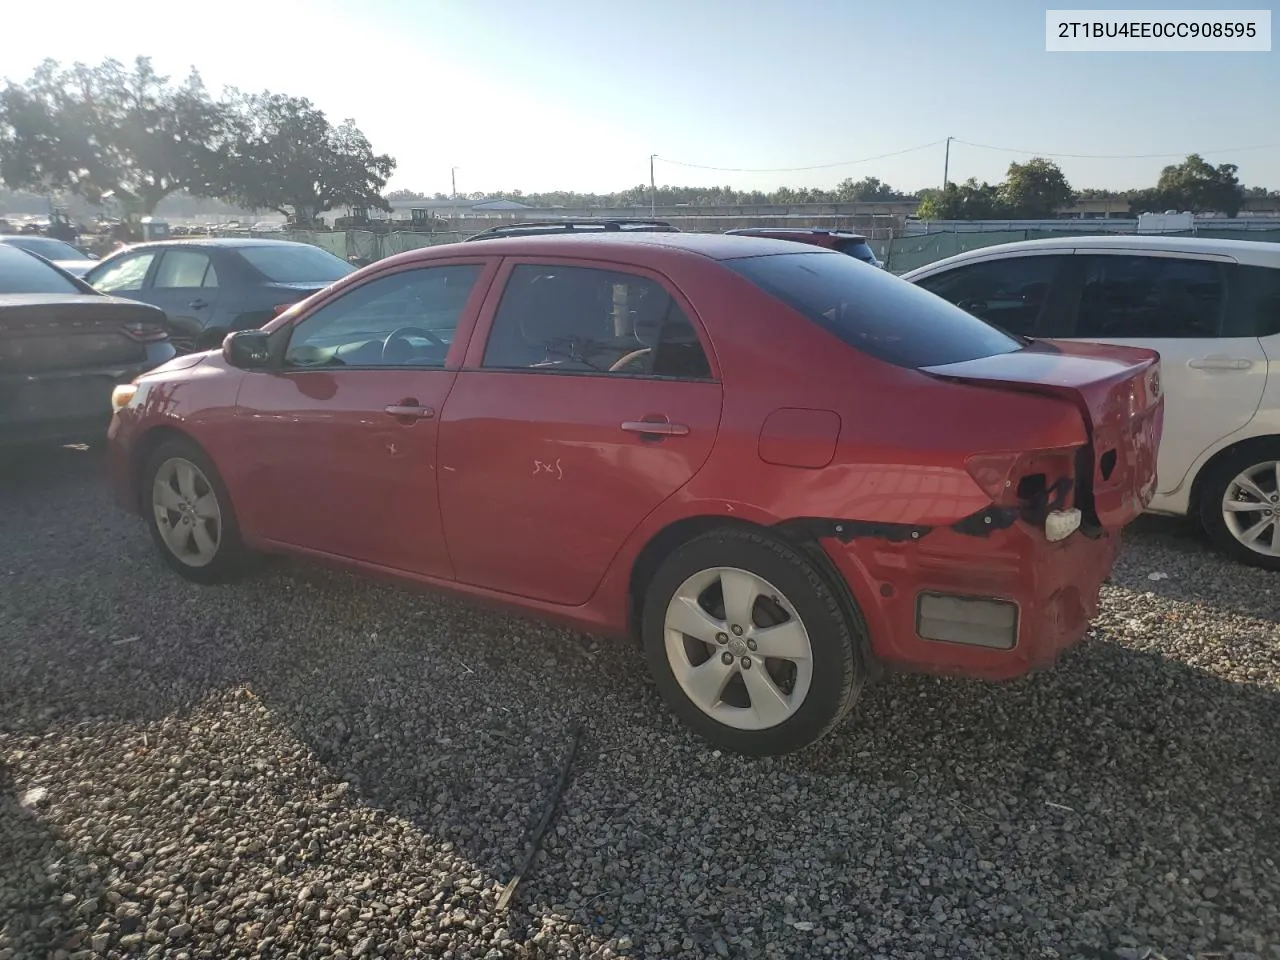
(946, 163)
(453, 178)
(653, 188)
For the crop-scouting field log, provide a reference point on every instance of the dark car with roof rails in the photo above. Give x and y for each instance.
(854, 244)
(64, 348)
(214, 285)
(584, 225)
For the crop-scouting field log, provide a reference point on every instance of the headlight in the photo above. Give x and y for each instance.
(127, 395)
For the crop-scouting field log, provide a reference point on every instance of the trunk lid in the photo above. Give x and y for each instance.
(44, 333)
(1119, 395)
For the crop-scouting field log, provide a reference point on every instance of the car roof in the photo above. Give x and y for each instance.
(226, 242)
(625, 246)
(1257, 252)
(802, 231)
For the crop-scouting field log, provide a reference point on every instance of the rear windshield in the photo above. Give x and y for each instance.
(859, 249)
(296, 263)
(888, 318)
(22, 273)
(47, 247)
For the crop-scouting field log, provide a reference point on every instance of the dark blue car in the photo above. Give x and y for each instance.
(211, 286)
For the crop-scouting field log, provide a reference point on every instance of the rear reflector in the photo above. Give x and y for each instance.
(974, 621)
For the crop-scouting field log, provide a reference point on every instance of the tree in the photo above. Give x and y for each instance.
(970, 200)
(1193, 185)
(1035, 190)
(864, 190)
(403, 194)
(286, 156)
(104, 129)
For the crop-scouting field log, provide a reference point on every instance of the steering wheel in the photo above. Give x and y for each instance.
(401, 335)
(629, 358)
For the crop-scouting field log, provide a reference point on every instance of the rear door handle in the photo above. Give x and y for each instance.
(198, 304)
(410, 408)
(655, 428)
(1220, 363)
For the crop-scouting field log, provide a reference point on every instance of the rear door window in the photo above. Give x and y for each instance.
(560, 319)
(1150, 298)
(182, 269)
(1009, 292)
(890, 319)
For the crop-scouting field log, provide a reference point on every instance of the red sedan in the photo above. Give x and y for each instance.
(776, 467)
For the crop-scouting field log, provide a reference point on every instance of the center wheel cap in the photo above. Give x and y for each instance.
(738, 647)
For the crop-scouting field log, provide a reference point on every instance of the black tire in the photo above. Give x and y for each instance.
(1213, 488)
(838, 641)
(231, 559)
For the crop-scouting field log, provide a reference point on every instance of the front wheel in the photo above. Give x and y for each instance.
(750, 645)
(190, 514)
(1240, 505)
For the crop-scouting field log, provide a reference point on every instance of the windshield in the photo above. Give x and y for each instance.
(859, 249)
(296, 263)
(46, 247)
(888, 318)
(22, 273)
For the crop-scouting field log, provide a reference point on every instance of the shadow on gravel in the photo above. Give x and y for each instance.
(1065, 797)
(33, 862)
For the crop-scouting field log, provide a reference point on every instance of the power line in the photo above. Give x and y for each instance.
(1117, 156)
(818, 166)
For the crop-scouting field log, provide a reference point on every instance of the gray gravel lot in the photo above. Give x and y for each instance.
(314, 765)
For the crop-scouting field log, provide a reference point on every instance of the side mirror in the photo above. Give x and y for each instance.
(247, 349)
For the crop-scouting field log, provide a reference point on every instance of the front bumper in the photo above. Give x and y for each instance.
(1054, 588)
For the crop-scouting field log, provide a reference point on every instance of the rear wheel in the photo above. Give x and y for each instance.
(190, 514)
(1240, 505)
(750, 645)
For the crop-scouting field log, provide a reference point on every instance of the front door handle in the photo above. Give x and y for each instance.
(198, 304)
(1220, 363)
(410, 409)
(655, 428)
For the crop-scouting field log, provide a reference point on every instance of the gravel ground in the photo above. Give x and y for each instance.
(314, 765)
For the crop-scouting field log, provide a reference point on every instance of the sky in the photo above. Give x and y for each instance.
(577, 94)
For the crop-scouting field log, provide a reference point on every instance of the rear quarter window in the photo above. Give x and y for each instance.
(874, 311)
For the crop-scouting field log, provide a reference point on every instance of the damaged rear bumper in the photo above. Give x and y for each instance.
(993, 607)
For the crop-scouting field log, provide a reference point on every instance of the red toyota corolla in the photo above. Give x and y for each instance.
(777, 467)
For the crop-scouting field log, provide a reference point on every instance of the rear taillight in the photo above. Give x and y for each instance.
(144, 332)
(1039, 486)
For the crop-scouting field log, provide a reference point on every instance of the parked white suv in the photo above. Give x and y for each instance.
(1212, 310)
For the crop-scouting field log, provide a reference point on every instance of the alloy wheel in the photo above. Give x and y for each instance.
(738, 649)
(187, 512)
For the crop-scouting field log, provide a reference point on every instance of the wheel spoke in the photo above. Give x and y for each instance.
(786, 641)
(1252, 534)
(705, 683)
(207, 507)
(1275, 538)
(164, 495)
(768, 703)
(689, 618)
(1242, 506)
(186, 480)
(177, 537)
(1252, 489)
(740, 591)
(206, 545)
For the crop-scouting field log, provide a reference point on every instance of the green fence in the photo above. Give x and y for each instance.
(899, 255)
